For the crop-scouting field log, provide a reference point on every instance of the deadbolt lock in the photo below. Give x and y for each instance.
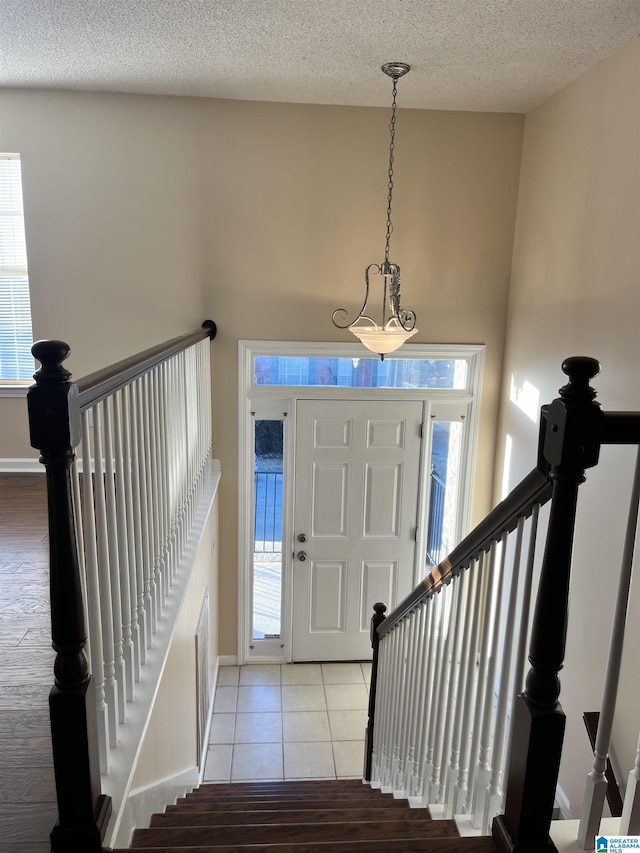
(302, 537)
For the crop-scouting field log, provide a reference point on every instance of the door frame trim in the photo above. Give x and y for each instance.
(252, 398)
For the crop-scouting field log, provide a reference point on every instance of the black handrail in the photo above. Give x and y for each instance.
(95, 386)
(534, 489)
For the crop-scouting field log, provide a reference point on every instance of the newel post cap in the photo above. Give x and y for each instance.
(52, 401)
(574, 419)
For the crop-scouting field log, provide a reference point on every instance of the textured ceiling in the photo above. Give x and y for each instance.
(488, 55)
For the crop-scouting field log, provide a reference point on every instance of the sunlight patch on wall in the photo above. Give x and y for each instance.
(525, 396)
(506, 467)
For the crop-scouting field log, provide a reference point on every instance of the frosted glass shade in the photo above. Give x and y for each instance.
(382, 340)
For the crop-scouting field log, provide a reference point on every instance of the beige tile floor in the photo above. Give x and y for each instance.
(294, 721)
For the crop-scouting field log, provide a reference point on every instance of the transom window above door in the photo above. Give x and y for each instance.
(316, 371)
(295, 364)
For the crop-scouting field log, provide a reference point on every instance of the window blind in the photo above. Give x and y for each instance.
(16, 336)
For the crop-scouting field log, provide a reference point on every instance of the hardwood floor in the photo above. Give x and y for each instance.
(27, 792)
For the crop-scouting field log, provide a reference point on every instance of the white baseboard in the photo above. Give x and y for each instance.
(563, 804)
(21, 466)
(228, 660)
(31, 466)
(143, 803)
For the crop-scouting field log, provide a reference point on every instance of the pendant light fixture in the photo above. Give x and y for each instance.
(397, 324)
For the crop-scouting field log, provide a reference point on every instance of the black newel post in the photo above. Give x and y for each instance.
(54, 426)
(376, 620)
(571, 443)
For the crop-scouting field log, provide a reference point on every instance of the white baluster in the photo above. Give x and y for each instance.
(488, 712)
(414, 699)
(112, 530)
(104, 577)
(195, 463)
(458, 592)
(526, 602)
(76, 503)
(401, 672)
(156, 481)
(493, 804)
(630, 820)
(520, 655)
(170, 414)
(138, 388)
(426, 610)
(124, 547)
(455, 690)
(484, 687)
(93, 598)
(184, 457)
(460, 792)
(396, 676)
(391, 640)
(424, 769)
(136, 521)
(435, 711)
(178, 466)
(148, 491)
(596, 786)
(466, 666)
(162, 474)
(399, 780)
(402, 776)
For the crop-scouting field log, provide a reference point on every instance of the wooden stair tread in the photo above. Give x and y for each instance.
(221, 818)
(482, 844)
(311, 784)
(182, 817)
(261, 796)
(290, 802)
(293, 833)
(302, 791)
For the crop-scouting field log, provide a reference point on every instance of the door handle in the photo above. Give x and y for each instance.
(302, 537)
(302, 556)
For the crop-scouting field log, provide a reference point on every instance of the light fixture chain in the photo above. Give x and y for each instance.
(398, 324)
(392, 143)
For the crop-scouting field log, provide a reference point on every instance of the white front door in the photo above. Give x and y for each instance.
(357, 468)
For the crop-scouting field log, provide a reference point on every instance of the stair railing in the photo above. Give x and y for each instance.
(119, 526)
(449, 722)
(448, 649)
(597, 783)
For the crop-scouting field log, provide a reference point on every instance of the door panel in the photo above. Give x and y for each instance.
(378, 584)
(356, 493)
(386, 434)
(332, 433)
(328, 597)
(382, 500)
(330, 499)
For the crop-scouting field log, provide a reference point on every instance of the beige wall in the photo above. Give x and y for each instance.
(144, 214)
(304, 213)
(170, 739)
(576, 291)
(14, 429)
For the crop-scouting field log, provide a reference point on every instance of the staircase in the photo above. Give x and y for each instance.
(305, 816)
